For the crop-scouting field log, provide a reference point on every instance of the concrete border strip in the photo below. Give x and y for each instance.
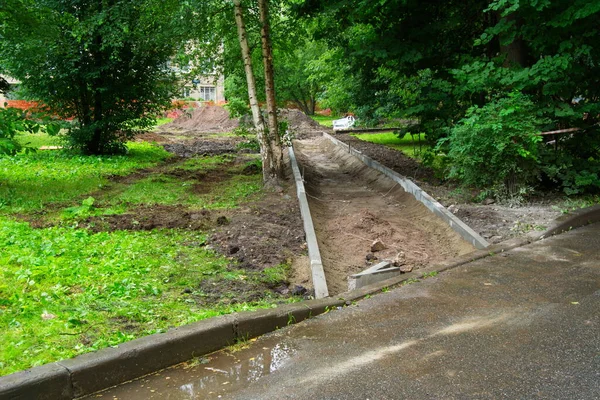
(89, 373)
(409, 186)
(376, 273)
(572, 220)
(316, 264)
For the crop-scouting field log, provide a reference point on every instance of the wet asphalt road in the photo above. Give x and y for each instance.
(520, 325)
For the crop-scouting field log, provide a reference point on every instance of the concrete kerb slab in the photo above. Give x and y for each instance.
(93, 372)
(47, 382)
(572, 220)
(409, 186)
(316, 264)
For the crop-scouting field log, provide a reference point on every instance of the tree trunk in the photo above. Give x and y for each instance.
(265, 147)
(516, 52)
(276, 169)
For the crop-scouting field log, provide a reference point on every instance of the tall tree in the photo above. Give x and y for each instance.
(102, 62)
(276, 168)
(270, 146)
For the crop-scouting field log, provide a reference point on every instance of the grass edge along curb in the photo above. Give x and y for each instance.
(92, 372)
(409, 186)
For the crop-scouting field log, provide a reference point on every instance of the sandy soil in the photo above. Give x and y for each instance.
(353, 206)
(494, 222)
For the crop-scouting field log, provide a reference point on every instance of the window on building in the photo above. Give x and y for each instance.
(208, 93)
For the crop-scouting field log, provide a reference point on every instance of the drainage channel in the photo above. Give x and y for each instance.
(362, 217)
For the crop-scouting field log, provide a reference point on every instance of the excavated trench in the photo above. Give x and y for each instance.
(352, 206)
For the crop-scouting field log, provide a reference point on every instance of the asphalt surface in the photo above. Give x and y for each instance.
(524, 324)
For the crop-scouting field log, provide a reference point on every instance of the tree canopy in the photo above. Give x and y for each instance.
(101, 62)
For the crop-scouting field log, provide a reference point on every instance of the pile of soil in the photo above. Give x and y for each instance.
(264, 234)
(202, 147)
(209, 119)
(301, 125)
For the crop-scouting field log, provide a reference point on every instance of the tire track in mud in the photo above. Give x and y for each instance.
(353, 205)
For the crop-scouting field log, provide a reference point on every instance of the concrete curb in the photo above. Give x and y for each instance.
(92, 372)
(316, 264)
(409, 186)
(572, 220)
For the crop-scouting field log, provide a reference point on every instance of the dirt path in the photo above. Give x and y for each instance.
(352, 206)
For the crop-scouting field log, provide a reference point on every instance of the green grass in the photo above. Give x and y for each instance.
(37, 140)
(31, 182)
(162, 121)
(407, 144)
(66, 291)
(324, 120)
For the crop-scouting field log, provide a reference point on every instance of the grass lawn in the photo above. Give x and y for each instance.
(324, 120)
(407, 144)
(65, 290)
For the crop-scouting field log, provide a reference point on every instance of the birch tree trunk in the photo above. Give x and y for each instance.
(267, 52)
(266, 152)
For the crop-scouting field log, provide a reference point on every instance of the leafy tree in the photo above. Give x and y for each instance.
(434, 62)
(300, 75)
(102, 62)
(497, 144)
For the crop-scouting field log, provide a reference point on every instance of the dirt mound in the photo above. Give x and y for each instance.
(146, 218)
(301, 124)
(206, 119)
(201, 148)
(264, 235)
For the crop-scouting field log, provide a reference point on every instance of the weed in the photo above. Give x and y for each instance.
(240, 343)
(410, 281)
(291, 319)
(430, 274)
(385, 289)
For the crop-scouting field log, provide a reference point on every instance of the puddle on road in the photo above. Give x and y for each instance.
(206, 378)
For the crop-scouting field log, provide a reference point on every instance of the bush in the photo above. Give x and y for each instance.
(237, 108)
(496, 145)
(575, 165)
(13, 121)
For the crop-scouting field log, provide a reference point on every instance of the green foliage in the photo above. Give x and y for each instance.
(102, 63)
(66, 291)
(574, 162)
(496, 144)
(28, 184)
(13, 121)
(237, 107)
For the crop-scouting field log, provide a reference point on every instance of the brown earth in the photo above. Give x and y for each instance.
(494, 222)
(380, 215)
(353, 206)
